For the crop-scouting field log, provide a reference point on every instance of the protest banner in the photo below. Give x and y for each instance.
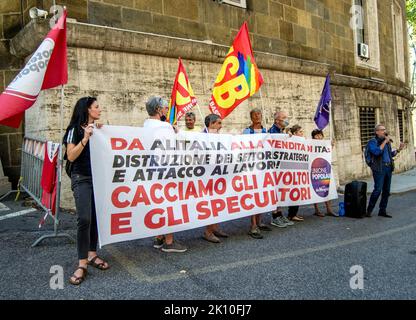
(153, 182)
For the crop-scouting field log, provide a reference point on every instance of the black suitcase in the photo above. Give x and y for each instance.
(355, 199)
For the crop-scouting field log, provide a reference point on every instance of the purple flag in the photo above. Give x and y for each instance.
(322, 111)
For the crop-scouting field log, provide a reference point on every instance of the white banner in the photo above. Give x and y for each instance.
(149, 182)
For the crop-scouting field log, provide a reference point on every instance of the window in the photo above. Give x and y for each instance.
(367, 124)
(360, 29)
(365, 22)
(400, 117)
(399, 64)
(237, 3)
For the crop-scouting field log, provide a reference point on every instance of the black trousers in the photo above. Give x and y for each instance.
(293, 211)
(87, 233)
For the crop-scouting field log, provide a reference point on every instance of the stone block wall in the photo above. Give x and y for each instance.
(296, 43)
(317, 30)
(10, 139)
(123, 81)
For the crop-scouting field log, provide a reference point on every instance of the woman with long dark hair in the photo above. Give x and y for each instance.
(76, 140)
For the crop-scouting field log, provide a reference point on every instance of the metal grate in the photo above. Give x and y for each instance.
(367, 124)
(400, 116)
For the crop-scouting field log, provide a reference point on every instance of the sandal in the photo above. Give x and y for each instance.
(78, 280)
(221, 234)
(211, 238)
(255, 233)
(332, 214)
(319, 214)
(264, 227)
(100, 266)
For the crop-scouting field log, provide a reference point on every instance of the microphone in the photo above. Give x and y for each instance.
(387, 136)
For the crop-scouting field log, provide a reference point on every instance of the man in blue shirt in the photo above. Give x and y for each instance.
(281, 122)
(382, 166)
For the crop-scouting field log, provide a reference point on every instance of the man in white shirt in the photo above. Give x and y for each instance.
(157, 108)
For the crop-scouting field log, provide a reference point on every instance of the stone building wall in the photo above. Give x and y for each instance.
(10, 139)
(295, 42)
(317, 30)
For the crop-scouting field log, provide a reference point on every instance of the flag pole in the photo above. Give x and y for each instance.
(59, 183)
(58, 187)
(262, 109)
(202, 116)
(331, 123)
(59, 164)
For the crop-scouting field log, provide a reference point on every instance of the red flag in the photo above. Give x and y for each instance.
(239, 77)
(49, 178)
(183, 98)
(47, 68)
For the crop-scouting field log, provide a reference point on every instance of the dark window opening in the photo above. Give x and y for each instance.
(400, 117)
(361, 29)
(367, 124)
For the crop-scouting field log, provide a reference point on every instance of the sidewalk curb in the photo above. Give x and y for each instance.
(399, 179)
(341, 190)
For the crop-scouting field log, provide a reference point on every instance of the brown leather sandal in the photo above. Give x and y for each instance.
(78, 280)
(100, 266)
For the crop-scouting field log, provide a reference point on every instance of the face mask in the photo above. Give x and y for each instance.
(162, 118)
(285, 123)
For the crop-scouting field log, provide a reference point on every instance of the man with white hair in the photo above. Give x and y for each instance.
(157, 108)
(281, 122)
(379, 156)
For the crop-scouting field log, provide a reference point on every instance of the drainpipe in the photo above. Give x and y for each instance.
(22, 20)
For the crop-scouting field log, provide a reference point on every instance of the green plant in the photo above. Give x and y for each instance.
(411, 14)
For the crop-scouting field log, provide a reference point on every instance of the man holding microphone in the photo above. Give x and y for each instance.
(379, 156)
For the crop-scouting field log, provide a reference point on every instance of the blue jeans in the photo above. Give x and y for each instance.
(382, 184)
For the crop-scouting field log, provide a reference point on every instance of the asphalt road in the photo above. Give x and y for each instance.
(310, 260)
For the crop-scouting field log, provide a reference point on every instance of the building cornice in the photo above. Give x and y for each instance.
(83, 35)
